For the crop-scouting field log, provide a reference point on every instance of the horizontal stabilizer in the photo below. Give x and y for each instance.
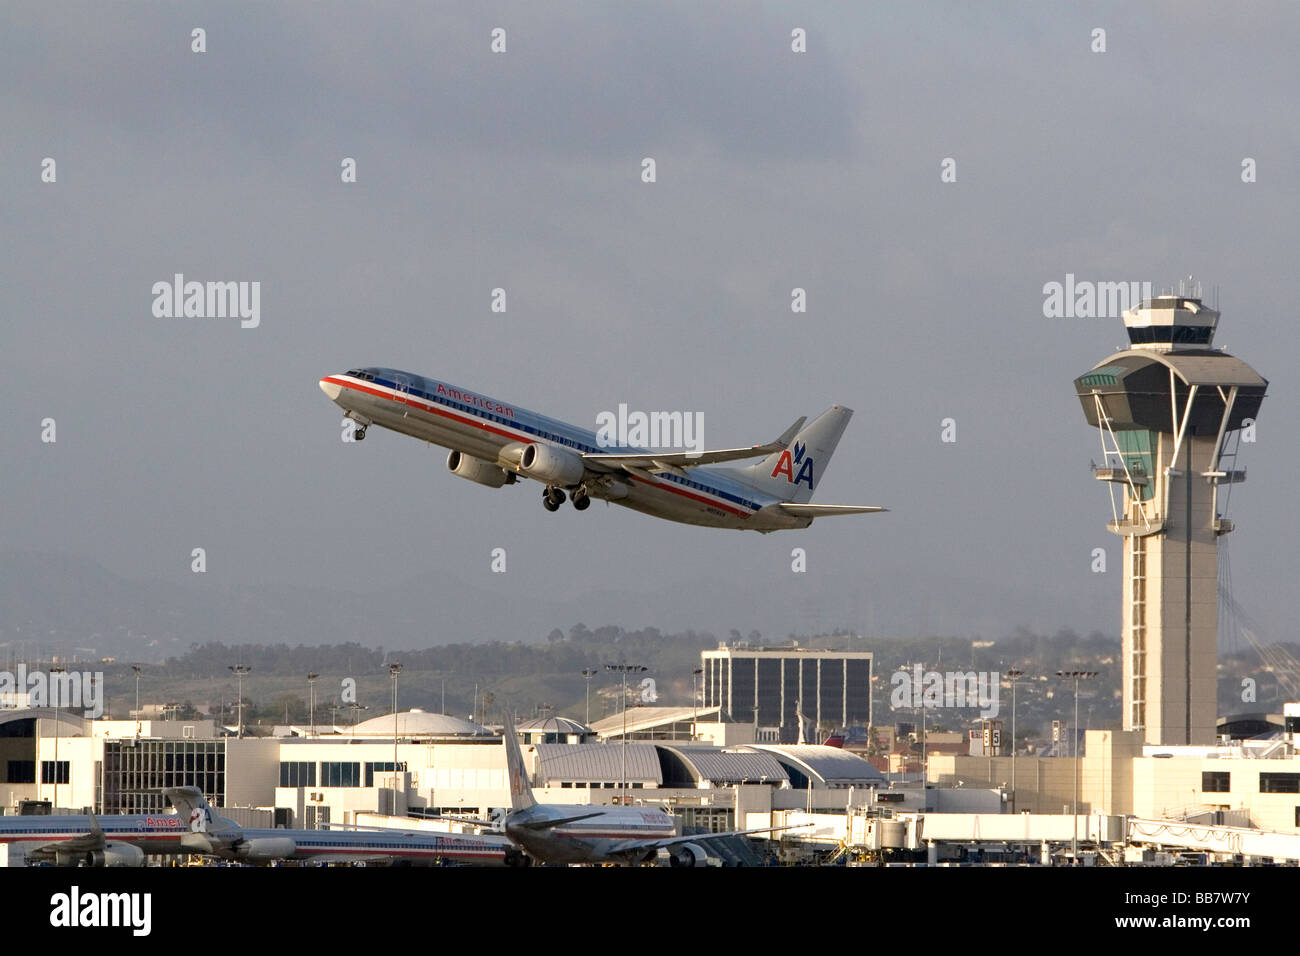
(826, 511)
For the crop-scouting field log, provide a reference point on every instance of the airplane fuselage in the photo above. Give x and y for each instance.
(419, 847)
(153, 834)
(496, 433)
(596, 839)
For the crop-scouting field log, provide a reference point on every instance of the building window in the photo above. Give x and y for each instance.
(1215, 781)
(22, 771)
(381, 767)
(1279, 783)
(298, 774)
(340, 774)
(47, 772)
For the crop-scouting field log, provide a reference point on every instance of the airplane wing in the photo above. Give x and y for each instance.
(633, 846)
(83, 843)
(562, 821)
(676, 462)
(472, 821)
(826, 511)
(535, 825)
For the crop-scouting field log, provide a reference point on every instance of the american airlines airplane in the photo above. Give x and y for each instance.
(83, 840)
(495, 443)
(124, 840)
(215, 836)
(587, 833)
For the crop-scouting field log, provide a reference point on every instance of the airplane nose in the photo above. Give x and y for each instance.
(331, 390)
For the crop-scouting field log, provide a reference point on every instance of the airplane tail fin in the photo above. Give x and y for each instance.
(191, 805)
(792, 474)
(521, 789)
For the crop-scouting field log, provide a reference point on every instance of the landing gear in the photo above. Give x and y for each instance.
(552, 498)
(359, 433)
(581, 501)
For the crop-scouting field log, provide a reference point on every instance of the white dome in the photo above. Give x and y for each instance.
(418, 723)
(553, 725)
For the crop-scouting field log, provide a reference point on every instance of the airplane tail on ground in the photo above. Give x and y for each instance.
(793, 473)
(191, 805)
(521, 790)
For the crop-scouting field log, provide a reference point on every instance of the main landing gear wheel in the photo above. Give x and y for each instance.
(552, 498)
(359, 433)
(581, 502)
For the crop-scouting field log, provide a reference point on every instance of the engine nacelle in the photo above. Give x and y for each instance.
(477, 470)
(551, 465)
(518, 858)
(116, 854)
(688, 854)
(263, 849)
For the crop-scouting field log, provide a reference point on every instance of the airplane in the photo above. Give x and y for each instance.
(110, 840)
(215, 836)
(588, 833)
(494, 443)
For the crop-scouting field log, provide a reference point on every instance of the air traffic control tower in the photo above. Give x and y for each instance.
(1170, 411)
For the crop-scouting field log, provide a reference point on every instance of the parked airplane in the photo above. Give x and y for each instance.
(493, 443)
(86, 840)
(215, 836)
(587, 833)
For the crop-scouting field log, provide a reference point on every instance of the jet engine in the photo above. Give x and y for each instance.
(116, 855)
(262, 849)
(551, 465)
(477, 470)
(688, 854)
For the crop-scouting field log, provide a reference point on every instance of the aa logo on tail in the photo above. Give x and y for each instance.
(200, 818)
(785, 466)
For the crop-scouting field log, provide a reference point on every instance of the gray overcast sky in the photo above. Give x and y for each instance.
(775, 170)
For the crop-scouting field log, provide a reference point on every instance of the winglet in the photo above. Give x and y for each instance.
(787, 436)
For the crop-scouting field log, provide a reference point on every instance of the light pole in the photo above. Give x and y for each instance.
(588, 673)
(356, 709)
(1014, 675)
(623, 670)
(136, 668)
(1076, 676)
(393, 670)
(239, 671)
(58, 699)
(696, 701)
(311, 701)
